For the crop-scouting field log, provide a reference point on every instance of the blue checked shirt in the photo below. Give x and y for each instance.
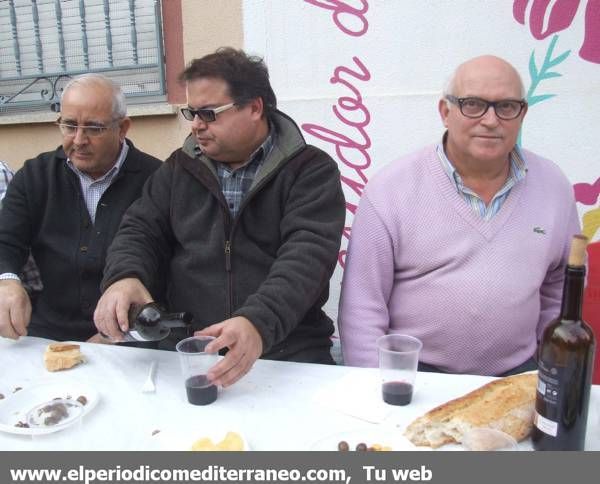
(236, 183)
(94, 189)
(517, 172)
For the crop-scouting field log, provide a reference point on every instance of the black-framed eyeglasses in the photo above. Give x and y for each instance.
(206, 115)
(475, 107)
(91, 130)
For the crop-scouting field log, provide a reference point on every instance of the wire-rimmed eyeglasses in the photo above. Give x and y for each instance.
(92, 130)
(475, 107)
(207, 115)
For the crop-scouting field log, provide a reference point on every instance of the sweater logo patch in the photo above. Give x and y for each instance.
(539, 230)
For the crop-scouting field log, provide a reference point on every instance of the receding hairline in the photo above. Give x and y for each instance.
(119, 104)
(451, 83)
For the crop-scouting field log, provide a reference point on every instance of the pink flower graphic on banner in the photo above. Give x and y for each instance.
(561, 15)
(587, 193)
(590, 50)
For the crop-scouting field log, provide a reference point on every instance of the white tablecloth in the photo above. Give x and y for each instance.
(277, 406)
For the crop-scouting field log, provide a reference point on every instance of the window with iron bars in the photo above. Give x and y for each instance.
(44, 43)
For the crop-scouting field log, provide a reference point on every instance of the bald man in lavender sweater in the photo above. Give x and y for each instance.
(462, 244)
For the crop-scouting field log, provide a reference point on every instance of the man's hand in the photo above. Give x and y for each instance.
(245, 346)
(15, 309)
(111, 314)
(99, 339)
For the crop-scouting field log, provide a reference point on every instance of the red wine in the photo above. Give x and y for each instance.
(200, 391)
(565, 360)
(397, 392)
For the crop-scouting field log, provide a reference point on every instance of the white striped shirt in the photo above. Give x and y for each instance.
(94, 189)
(517, 172)
(5, 177)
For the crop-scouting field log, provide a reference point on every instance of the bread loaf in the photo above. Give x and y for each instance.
(60, 356)
(505, 404)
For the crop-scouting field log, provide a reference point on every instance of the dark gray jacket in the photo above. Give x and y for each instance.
(271, 264)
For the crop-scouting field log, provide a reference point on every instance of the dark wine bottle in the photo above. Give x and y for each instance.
(148, 322)
(565, 360)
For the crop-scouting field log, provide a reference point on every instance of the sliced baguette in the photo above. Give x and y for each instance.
(61, 356)
(54, 347)
(505, 404)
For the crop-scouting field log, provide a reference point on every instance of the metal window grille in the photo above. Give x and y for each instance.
(43, 43)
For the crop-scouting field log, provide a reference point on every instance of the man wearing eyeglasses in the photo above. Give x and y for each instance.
(248, 219)
(65, 206)
(462, 244)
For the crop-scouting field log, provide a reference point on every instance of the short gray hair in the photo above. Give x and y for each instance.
(119, 105)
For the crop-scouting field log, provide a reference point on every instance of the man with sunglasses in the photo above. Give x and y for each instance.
(462, 244)
(65, 207)
(246, 217)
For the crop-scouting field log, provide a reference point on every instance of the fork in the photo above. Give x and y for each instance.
(149, 386)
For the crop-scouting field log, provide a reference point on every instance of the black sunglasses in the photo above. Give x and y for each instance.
(206, 115)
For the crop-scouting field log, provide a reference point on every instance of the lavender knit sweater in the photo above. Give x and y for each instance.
(477, 293)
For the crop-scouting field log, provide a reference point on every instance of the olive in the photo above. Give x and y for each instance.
(343, 446)
(361, 447)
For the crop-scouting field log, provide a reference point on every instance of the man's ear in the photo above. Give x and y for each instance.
(524, 112)
(124, 126)
(257, 107)
(444, 110)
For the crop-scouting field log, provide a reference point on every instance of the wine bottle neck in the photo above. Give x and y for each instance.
(572, 300)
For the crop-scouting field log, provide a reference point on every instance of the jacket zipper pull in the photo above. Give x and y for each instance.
(227, 255)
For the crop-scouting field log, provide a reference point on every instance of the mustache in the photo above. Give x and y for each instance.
(77, 151)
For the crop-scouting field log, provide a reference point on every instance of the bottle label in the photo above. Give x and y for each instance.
(549, 390)
(545, 425)
(549, 384)
(552, 405)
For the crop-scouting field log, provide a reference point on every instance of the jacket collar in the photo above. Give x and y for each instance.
(289, 141)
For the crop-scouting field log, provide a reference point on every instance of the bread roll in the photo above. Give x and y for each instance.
(60, 356)
(505, 404)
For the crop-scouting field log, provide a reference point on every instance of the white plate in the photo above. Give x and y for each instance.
(390, 437)
(5, 392)
(183, 439)
(15, 406)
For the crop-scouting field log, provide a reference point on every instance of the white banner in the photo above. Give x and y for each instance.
(363, 77)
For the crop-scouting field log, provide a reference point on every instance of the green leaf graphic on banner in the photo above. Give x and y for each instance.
(538, 99)
(533, 73)
(541, 74)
